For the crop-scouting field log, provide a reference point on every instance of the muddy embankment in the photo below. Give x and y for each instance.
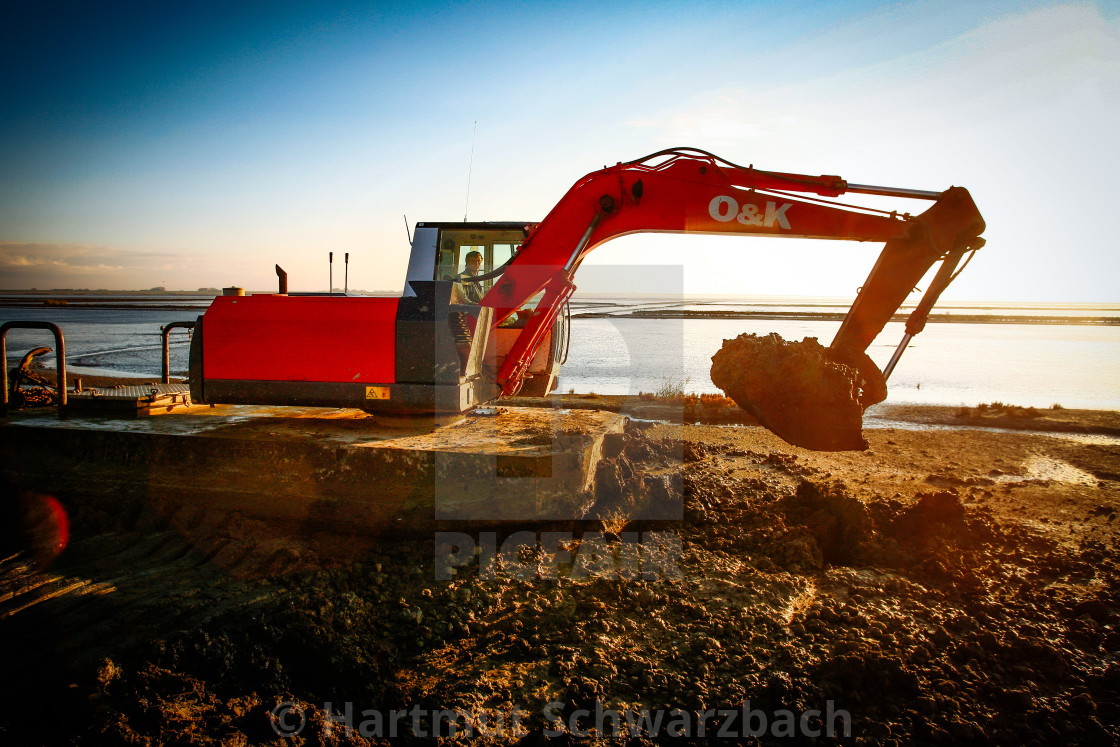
(939, 587)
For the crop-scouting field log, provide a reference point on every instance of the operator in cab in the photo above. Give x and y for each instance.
(471, 291)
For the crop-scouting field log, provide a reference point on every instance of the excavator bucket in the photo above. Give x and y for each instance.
(814, 396)
(800, 391)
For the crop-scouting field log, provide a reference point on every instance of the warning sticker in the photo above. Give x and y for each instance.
(377, 392)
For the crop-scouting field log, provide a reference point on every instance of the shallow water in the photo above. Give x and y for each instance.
(1034, 365)
(1029, 365)
(1099, 439)
(110, 342)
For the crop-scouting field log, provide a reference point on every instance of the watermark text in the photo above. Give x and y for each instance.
(525, 556)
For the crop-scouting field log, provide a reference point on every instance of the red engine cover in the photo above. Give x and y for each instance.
(300, 338)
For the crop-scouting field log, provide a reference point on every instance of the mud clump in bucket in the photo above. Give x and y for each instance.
(795, 389)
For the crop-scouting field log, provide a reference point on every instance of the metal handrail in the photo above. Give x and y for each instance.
(59, 362)
(165, 331)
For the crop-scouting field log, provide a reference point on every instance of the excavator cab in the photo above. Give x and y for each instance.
(439, 252)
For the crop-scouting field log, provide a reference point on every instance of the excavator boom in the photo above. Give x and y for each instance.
(684, 190)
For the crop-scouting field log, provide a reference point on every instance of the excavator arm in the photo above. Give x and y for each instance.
(684, 190)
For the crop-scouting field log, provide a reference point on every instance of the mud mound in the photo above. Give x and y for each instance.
(937, 515)
(937, 538)
(795, 389)
(944, 507)
(840, 524)
(638, 478)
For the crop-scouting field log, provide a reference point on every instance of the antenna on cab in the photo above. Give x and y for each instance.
(469, 169)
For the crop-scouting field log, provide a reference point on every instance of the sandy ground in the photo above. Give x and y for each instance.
(956, 584)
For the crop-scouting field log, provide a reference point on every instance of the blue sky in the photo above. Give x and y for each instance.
(197, 146)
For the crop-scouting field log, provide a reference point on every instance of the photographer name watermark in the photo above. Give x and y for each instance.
(289, 720)
(525, 556)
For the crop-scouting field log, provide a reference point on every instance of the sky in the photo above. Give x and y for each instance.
(144, 144)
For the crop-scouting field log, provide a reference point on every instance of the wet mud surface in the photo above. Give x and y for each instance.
(795, 389)
(940, 587)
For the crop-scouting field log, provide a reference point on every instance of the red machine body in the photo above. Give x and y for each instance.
(429, 350)
(301, 338)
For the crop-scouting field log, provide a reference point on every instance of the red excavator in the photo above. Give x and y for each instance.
(430, 350)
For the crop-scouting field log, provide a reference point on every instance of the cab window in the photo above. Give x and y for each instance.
(496, 247)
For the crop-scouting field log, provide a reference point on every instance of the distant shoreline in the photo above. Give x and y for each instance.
(584, 299)
(156, 303)
(832, 316)
(109, 306)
